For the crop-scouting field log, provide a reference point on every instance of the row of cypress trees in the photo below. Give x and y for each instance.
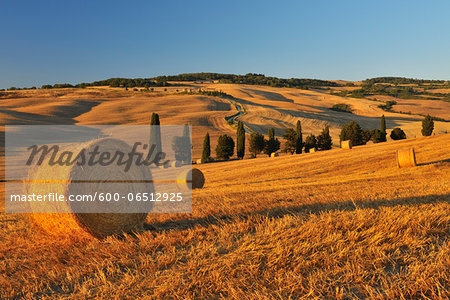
(353, 132)
(294, 139)
(257, 143)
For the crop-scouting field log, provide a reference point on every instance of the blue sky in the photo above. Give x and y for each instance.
(81, 41)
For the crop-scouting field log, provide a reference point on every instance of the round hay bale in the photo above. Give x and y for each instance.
(346, 144)
(274, 154)
(191, 179)
(406, 158)
(64, 218)
(175, 164)
(200, 161)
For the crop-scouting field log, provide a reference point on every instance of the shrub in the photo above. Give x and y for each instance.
(398, 134)
(352, 131)
(388, 106)
(256, 143)
(376, 136)
(342, 107)
(272, 144)
(310, 142)
(225, 147)
(366, 135)
(427, 126)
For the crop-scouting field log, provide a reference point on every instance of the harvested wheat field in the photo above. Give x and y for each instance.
(95, 106)
(263, 106)
(336, 224)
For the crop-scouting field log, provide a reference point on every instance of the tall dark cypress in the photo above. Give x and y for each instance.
(155, 135)
(240, 140)
(206, 154)
(383, 129)
(188, 142)
(299, 140)
(272, 144)
(271, 133)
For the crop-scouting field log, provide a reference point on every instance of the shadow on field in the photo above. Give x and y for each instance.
(435, 162)
(306, 210)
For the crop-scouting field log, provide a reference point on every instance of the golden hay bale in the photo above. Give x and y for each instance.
(191, 179)
(406, 158)
(274, 154)
(200, 161)
(175, 164)
(312, 150)
(64, 218)
(346, 144)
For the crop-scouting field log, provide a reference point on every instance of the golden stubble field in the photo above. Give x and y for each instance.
(332, 224)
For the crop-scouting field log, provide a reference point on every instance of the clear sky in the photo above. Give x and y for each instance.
(47, 42)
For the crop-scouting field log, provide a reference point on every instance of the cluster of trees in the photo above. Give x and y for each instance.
(388, 105)
(57, 86)
(400, 80)
(258, 143)
(342, 107)
(383, 86)
(113, 82)
(13, 88)
(403, 92)
(250, 78)
(353, 132)
(293, 140)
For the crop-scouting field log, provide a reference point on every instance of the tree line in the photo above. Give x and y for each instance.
(400, 80)
(250, 78)
(293, 139)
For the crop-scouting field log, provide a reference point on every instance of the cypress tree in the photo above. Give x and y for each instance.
(271, 133)
(186, 131)
(206, 154)
(427, 126)
(273, 144)
(182, 146)
(187, 138)
(240, 140)
(155, 135)
(383, 129)
(324, 141)
(299, 140)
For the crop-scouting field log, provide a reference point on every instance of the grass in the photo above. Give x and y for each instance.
(336, 224)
